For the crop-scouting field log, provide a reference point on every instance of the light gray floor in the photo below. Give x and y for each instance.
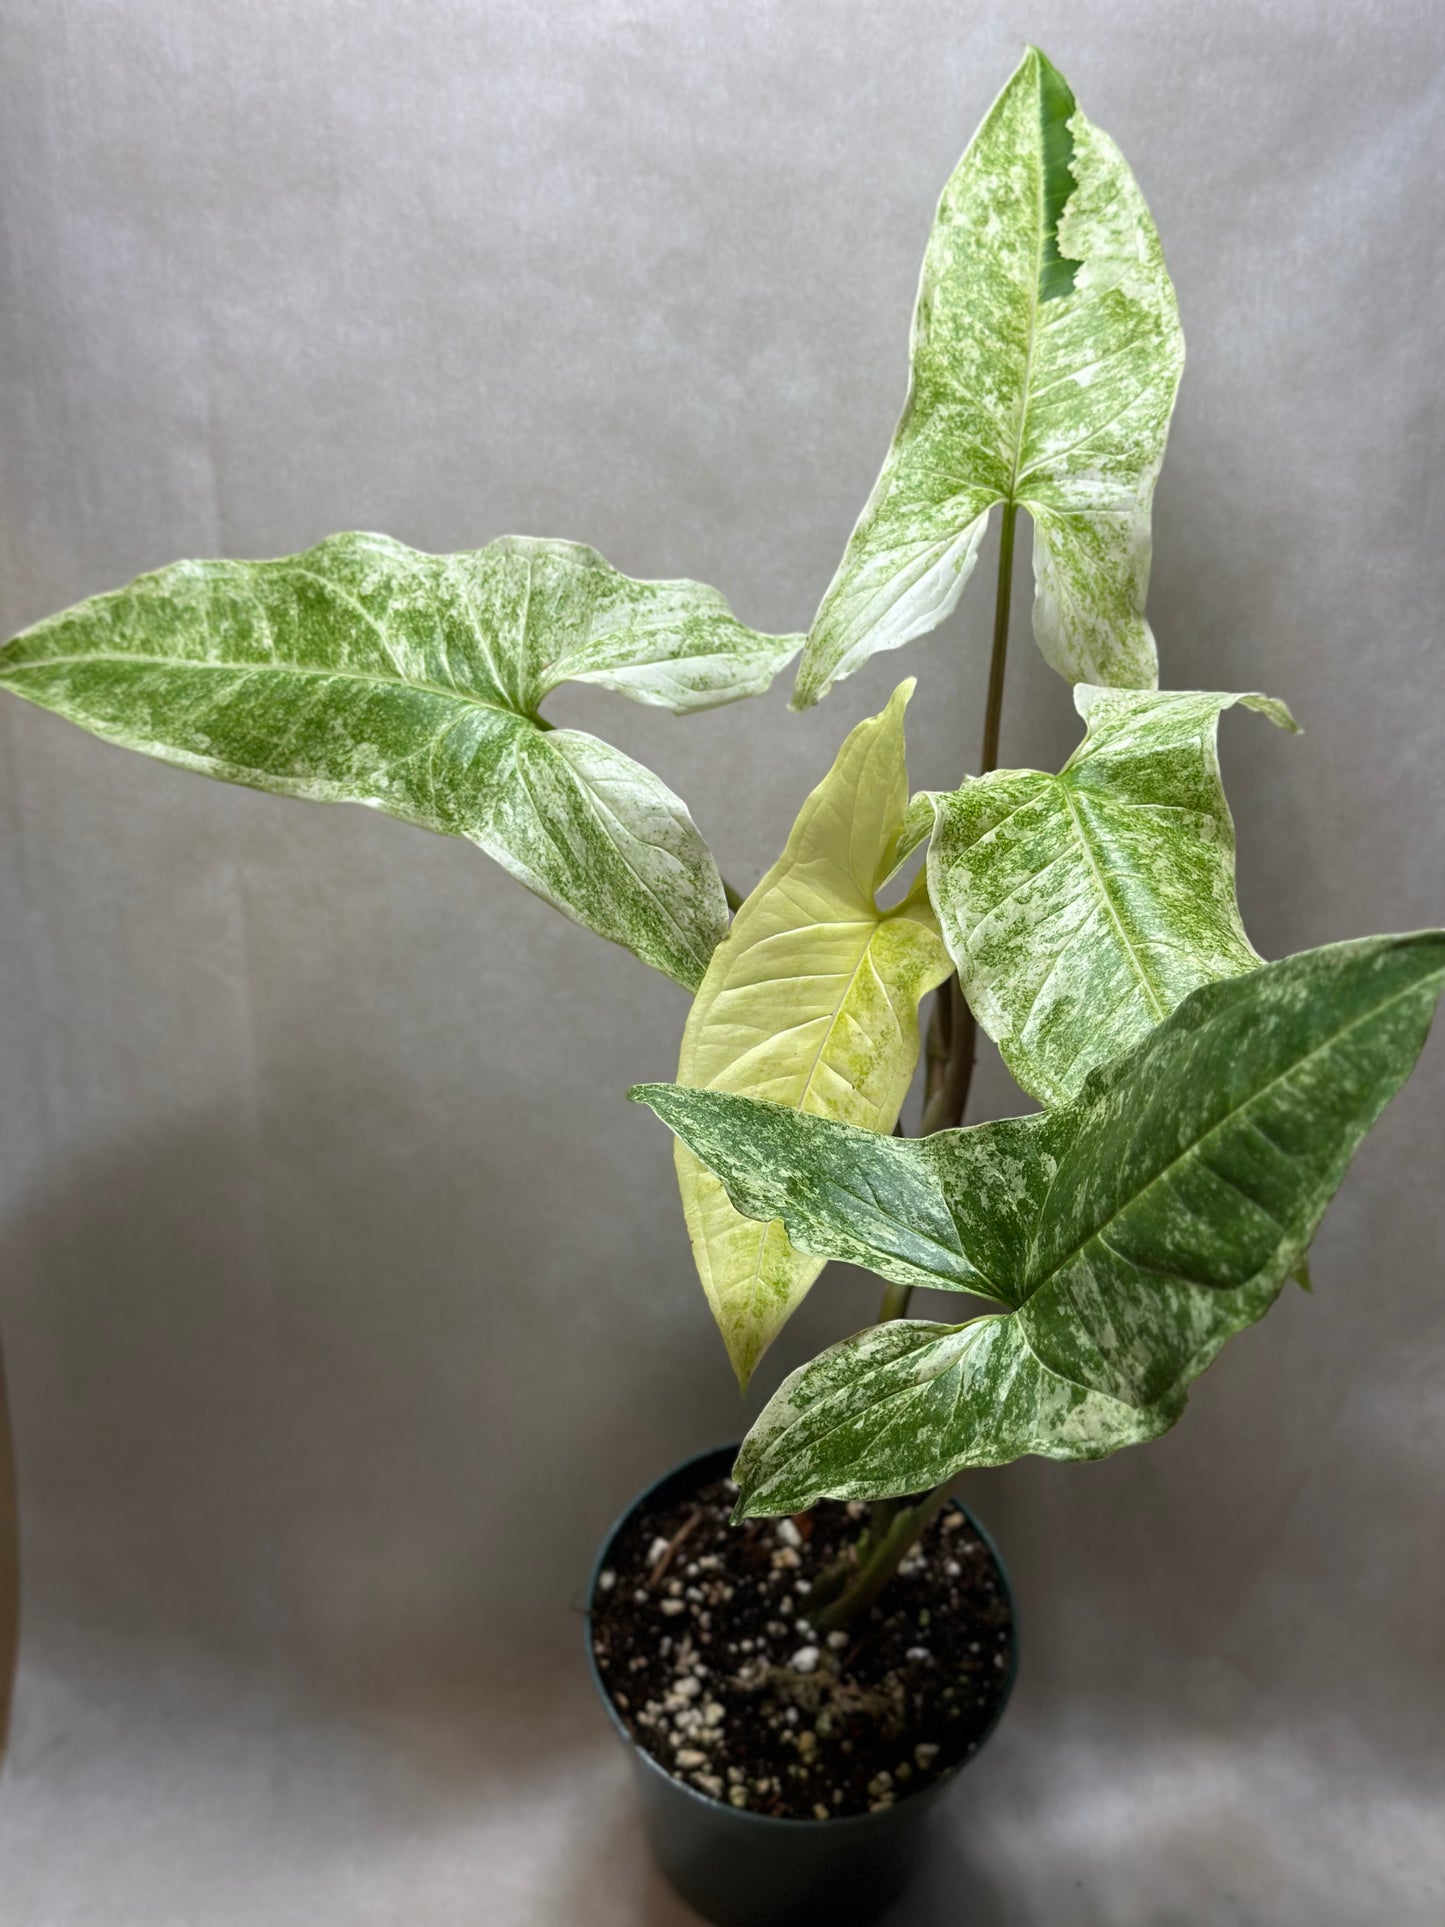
(343, 1299)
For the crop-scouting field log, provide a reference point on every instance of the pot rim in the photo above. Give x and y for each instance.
(745, 1815)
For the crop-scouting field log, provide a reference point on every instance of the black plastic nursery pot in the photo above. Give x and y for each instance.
(738, 1868)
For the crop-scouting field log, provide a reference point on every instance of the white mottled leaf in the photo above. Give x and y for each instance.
(675, 645)
(1129, 1233)
(1080, 909)
(811, 1001)
(1046, 355)
(878, 1414)
(366, 672)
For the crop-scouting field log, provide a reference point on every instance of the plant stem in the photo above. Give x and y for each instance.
(882, 1560)
(993, 708)
(953, 1031)
(895, 1303)
(952, 1044)
(943, 1105)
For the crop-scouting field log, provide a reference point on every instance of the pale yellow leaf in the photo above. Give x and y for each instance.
(811, 1000)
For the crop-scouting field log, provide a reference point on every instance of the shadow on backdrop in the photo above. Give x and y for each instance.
(253, 1481)
(9, 1566)
(298, 1439)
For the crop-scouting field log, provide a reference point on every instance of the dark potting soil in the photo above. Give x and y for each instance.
(701, 1633)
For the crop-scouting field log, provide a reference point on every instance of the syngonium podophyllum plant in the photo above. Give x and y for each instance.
(1199, 1106)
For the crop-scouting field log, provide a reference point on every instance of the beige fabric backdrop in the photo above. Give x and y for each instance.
(343, 1299)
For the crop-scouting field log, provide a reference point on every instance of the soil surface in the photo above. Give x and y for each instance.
(701, 1633)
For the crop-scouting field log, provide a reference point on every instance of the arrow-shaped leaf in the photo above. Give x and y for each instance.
(1046, 355)
(811, 1001)
(1080, 909)
(1132, 1231)
(366, 672)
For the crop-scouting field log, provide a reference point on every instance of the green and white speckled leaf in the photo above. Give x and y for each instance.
(366, 672)
(907, 1404)
(810, 1001)
(950, 1211)
(1046, 355)
(1129, 1233)
(1080, 909)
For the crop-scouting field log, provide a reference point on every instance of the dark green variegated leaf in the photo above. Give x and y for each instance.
(1132, 1231)
(1080, 909)
(950, 1211)
(1204, 1160)
(905, 1405)
(366, 672)
(1046, 355)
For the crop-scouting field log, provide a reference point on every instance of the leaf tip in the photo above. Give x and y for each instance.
(1050, 79)
(745, 1348)
(1276, 711)
(742, 1506)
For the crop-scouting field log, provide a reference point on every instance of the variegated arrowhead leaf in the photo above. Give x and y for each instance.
(907, 1404)
(1129, 1233)
(1046, 355)
(811, 1001)
(1080, 909)
(366, 672)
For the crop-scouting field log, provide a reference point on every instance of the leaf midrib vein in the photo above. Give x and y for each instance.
(1156, 1003)
(273, 668)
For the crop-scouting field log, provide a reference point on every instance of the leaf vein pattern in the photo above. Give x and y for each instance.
(1156, 1002)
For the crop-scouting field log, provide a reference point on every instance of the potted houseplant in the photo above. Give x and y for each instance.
(803, 1645)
